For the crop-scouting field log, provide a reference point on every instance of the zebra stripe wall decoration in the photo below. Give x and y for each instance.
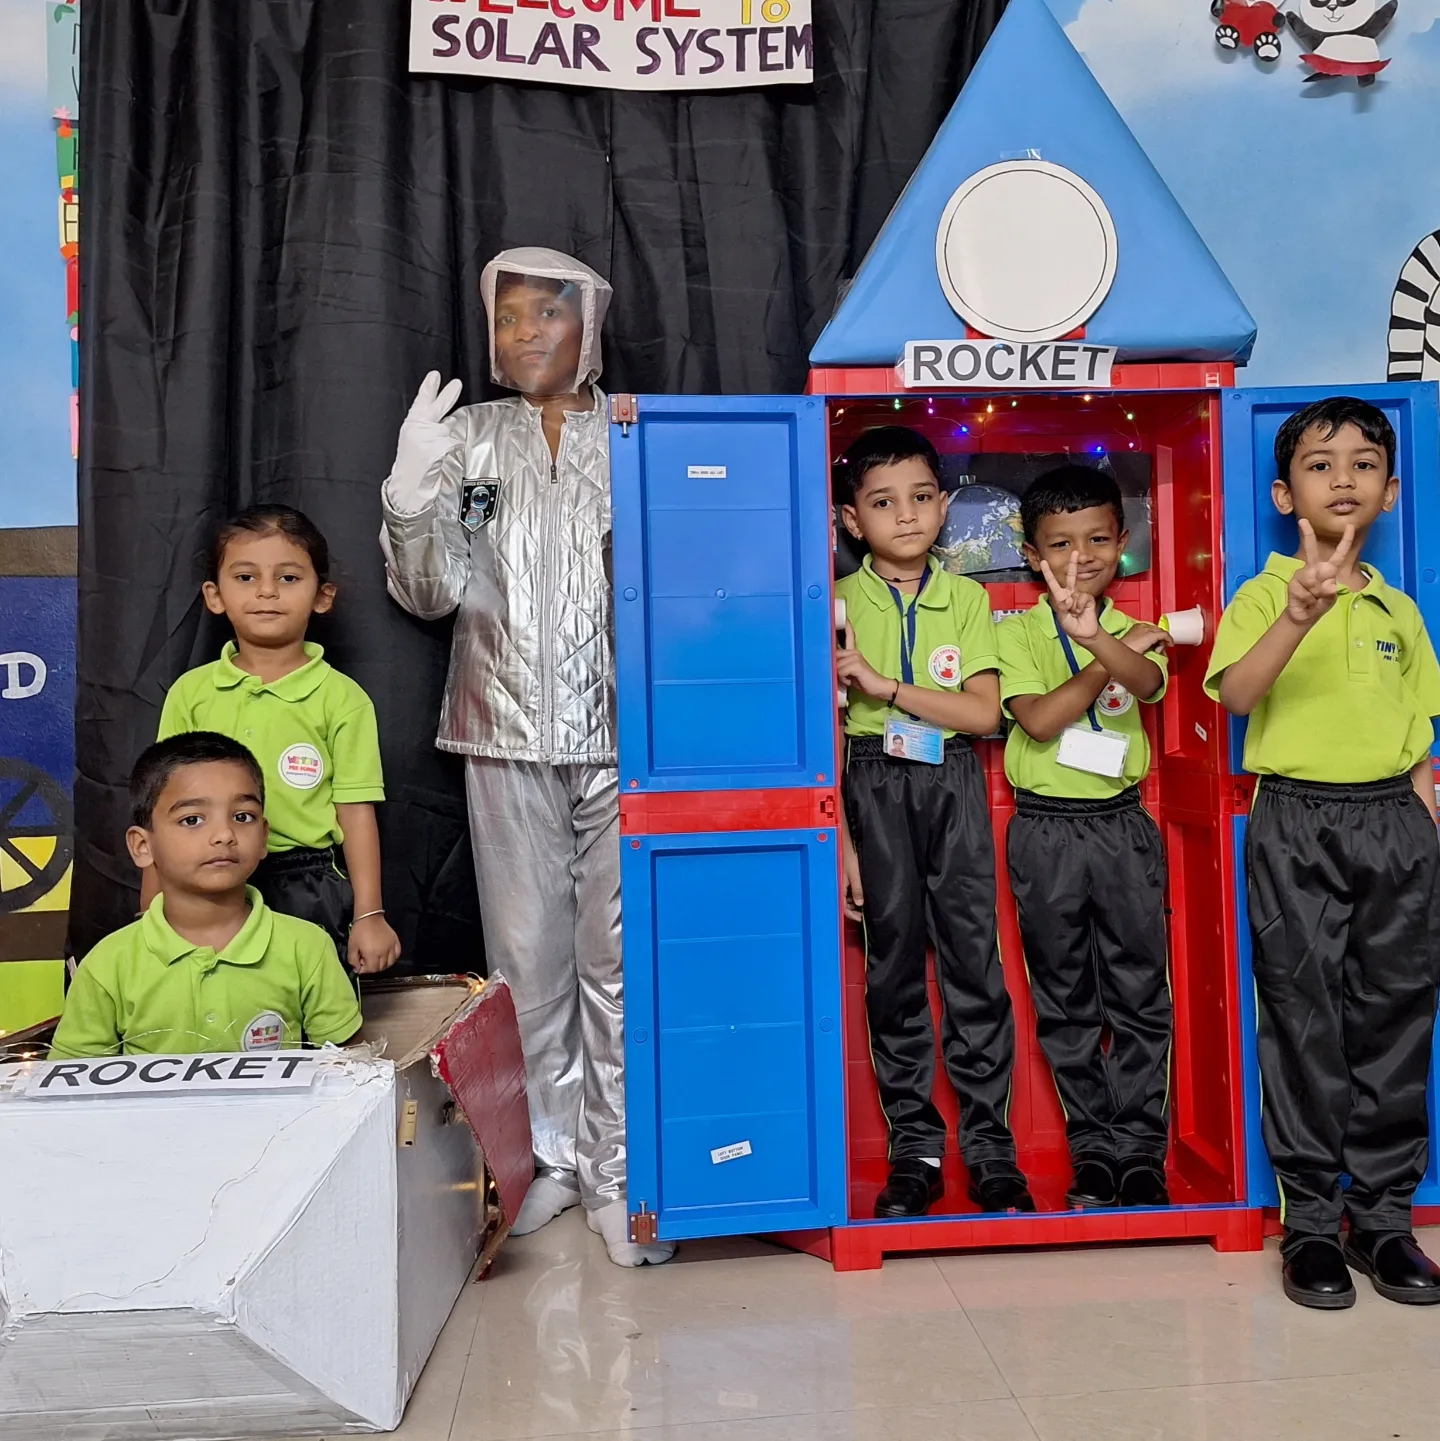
(1415, 315)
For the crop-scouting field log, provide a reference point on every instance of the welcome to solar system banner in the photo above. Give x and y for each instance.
(619, 44)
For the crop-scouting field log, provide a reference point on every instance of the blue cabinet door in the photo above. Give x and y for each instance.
(723, 618)
(734, 1073)
(1404, 545)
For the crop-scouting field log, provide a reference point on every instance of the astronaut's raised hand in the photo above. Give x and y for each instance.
(426, 438)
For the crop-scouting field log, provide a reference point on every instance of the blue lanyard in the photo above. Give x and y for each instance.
(1074, 666)
(908, 620)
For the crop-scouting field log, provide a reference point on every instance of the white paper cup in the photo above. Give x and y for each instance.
(1185, 627)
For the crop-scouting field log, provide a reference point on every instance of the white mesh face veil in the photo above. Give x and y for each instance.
(594, 297)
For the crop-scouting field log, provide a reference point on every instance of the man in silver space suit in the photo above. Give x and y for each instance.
(502, 511)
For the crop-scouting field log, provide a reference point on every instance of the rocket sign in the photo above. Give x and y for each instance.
(976, 364)
(617, 44)
(159, 1075)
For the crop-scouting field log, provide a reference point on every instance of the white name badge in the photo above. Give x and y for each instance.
(907, 740)
(1101, 753)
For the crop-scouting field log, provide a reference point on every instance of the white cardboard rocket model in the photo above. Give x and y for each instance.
(209, 1247)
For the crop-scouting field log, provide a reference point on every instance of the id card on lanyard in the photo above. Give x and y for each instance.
(1090, 748)
(911, 740)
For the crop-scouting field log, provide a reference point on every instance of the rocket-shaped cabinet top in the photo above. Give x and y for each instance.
(1035, 216)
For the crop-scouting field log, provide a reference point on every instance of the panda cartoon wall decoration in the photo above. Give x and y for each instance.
(1341, 37)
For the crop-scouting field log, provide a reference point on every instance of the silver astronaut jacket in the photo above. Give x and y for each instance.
(522, 548)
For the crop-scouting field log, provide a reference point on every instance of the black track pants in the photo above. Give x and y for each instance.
(309, 885)
(1089, 885)
(1344, 891)
(922, 834)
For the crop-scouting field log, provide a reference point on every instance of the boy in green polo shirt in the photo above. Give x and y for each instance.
(312, 729)
(209, 967)
(1087, 866)
(1340, 682)
(919, 661)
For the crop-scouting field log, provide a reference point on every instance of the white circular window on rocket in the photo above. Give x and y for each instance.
(1026, 250)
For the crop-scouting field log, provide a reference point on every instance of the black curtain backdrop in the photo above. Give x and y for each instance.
(283, 231)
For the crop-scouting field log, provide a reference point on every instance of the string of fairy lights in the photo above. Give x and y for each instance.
(991, 418)
(1120, 420)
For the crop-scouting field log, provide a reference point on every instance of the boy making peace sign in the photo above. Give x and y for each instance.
(1341, 685)
(1086, 862)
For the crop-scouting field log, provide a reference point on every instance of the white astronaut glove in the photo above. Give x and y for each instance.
(425, 440)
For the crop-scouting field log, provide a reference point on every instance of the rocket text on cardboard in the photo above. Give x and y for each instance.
(155, 1075)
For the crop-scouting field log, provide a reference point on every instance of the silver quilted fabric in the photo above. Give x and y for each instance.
(531, 665)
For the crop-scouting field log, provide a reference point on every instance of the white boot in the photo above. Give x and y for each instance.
(550, 1193)
(611, 1222)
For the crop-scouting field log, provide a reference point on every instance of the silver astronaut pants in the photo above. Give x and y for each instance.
(547, 866)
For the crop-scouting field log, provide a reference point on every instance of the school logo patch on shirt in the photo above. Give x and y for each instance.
(265, 1033)
(1114, 700)
(302, 766)
(1388, 649)
(945, 665)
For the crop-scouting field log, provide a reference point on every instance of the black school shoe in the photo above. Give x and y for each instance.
(1000, 1187)
(1142, 1183)
(1093, 1186)
(1398, 1269)
(1314, 1273)
(913, 1187)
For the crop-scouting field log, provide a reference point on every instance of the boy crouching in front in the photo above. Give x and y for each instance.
(208, 967)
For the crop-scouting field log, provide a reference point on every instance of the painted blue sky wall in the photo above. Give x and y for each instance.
(1311, 197)
(37, 475)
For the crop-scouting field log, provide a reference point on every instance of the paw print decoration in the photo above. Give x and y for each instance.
(1249, 25)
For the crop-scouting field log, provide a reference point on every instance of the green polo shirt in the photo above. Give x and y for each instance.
(313, 732)
(147, 989)
(954, 636)
(1355, 702)
(1032, 662)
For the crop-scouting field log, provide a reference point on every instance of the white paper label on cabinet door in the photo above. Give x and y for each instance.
(730, 1153)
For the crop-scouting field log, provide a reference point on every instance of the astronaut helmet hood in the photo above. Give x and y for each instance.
(547, 340)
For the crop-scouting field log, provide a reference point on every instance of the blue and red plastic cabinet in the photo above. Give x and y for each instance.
(752, 1107)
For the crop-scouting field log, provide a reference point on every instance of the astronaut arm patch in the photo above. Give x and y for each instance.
(478, 499)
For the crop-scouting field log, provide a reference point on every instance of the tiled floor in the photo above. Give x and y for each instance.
(740, 1341)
